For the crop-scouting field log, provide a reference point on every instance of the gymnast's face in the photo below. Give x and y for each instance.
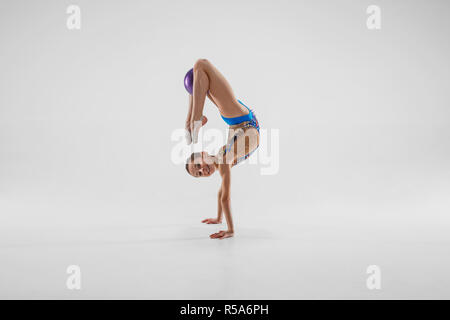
(200, 165)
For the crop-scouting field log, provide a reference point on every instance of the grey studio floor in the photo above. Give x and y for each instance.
(88, 175)
(291, 251)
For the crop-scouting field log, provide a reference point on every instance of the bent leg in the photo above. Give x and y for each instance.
(197, 102)
(201, 87)
(219, 90)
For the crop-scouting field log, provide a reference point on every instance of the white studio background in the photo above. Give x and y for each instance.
(86, 175)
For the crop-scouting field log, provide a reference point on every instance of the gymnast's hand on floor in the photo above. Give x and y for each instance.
(222, 234)
(192, 129)
(212, 221)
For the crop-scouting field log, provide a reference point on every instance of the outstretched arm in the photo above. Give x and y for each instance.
(219, 211)
(219, 206)
(225, 172)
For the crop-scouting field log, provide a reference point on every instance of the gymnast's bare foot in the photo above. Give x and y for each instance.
(192, 129)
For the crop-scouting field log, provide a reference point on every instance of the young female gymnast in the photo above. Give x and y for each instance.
(243, 138)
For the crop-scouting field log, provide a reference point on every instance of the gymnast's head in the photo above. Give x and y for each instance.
(200, 164)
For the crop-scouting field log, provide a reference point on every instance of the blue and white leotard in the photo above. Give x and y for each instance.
(250, 122)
